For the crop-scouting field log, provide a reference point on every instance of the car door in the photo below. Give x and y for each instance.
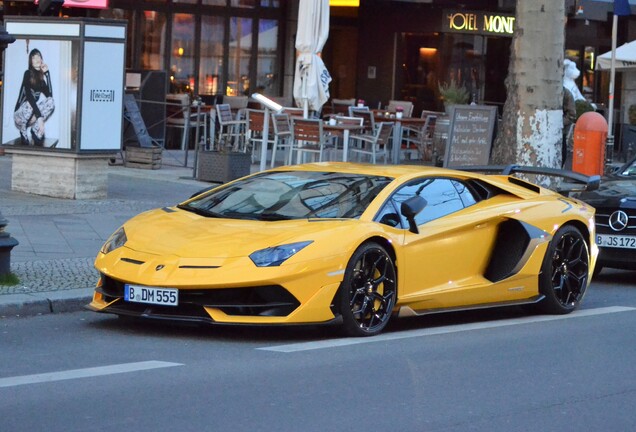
(443, 264)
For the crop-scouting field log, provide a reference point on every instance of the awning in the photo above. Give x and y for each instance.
(625, 58)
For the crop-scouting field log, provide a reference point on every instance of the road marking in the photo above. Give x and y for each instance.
(308, 346)
(84, 373)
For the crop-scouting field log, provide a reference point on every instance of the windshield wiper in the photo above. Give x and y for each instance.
(199, 211)
(273, 217)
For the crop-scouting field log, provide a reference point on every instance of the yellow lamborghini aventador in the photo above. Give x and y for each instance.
(350, 244)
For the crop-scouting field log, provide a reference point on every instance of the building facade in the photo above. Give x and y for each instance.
(378, 51)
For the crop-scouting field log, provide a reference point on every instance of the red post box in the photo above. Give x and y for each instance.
(590, 134)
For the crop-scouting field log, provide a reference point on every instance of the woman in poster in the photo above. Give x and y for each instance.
(35, 101)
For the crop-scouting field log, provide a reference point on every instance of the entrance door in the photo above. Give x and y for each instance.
(425, 60)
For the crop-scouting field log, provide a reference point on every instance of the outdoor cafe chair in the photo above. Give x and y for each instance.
(282, 137)
(231, 129)
(309, 137)
(407, 106)
(254, 131)
(420, 136)
(341, 106)
(366, 115)
(375, 144)
(354, 108)
(180, 115)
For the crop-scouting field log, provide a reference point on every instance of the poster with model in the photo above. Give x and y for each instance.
(40, 81)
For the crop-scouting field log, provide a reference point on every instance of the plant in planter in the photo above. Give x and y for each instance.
(453, 94)
(583, 106)
(399, 111)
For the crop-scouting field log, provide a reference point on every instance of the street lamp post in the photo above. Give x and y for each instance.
(6, 241)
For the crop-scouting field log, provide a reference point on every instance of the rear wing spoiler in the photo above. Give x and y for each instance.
(579, 182)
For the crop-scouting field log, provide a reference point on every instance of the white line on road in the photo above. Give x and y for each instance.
(84, 373)
(307, 346)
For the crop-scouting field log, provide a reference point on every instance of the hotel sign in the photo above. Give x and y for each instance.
(482, 23)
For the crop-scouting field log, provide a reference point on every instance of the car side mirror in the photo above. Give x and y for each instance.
(410, 208)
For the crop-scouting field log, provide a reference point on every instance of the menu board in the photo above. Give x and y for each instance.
(470, 135)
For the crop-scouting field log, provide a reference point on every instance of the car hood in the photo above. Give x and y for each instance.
(613, 192)
(170, 231)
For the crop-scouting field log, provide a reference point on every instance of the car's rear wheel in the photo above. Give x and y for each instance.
(565, 271)
(368, 291)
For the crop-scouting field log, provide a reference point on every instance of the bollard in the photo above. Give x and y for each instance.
(590, 133)
(6, 244)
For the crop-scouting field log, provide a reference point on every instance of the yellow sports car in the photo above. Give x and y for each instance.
(350, 244)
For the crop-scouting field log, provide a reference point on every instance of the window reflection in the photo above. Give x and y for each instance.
(182, 54)
(267, 67)
(239, 56)
(245, 3)
(443, 197)
(153, 40)
(211, 63)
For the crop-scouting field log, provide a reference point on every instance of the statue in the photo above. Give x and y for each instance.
(570, 74)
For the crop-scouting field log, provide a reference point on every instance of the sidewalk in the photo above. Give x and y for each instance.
(60, 238)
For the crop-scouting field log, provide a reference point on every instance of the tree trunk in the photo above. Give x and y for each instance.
(531, 129)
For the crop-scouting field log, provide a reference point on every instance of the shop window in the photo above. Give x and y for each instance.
(239, 56)
(153, 40)
(267, 77)
(211, 58)
(182, 54)
(588, 84)
(244, 3)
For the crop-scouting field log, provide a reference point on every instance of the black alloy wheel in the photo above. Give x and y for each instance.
(565, 272)
(368, 291)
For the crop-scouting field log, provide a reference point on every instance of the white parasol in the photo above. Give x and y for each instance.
(624, 57)
(311, 80)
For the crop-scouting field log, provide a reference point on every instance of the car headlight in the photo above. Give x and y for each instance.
(275, 256)
(117, 240)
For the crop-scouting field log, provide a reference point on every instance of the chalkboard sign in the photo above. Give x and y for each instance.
(132, 114)
(470, 135)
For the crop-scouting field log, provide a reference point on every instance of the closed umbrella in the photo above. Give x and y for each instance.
(311, 80)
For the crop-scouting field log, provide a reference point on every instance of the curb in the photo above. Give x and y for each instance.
(32, 304)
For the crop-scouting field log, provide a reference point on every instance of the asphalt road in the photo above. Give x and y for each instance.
(479, 371)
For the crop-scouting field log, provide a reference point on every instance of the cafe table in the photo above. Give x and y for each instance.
(383, 116)
(342, 130)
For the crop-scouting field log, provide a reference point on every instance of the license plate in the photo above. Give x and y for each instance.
(151, 295)
(616, 241)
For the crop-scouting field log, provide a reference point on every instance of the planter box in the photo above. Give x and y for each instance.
(222, 167)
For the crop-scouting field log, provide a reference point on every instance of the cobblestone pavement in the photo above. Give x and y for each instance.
(52, 275)
(59, 238)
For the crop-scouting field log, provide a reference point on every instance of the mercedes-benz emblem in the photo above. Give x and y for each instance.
(618, 220)
(159, 267)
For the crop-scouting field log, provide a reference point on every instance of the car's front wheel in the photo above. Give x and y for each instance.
(368, 291)
(565, 272)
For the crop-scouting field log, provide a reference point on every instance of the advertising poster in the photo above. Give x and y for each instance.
(39, 93)
(102, 96)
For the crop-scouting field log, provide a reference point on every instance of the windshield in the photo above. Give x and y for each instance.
(629, 169)
(286, 195)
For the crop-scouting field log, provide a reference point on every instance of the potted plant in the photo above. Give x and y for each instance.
(399, 111)
(453, 94)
